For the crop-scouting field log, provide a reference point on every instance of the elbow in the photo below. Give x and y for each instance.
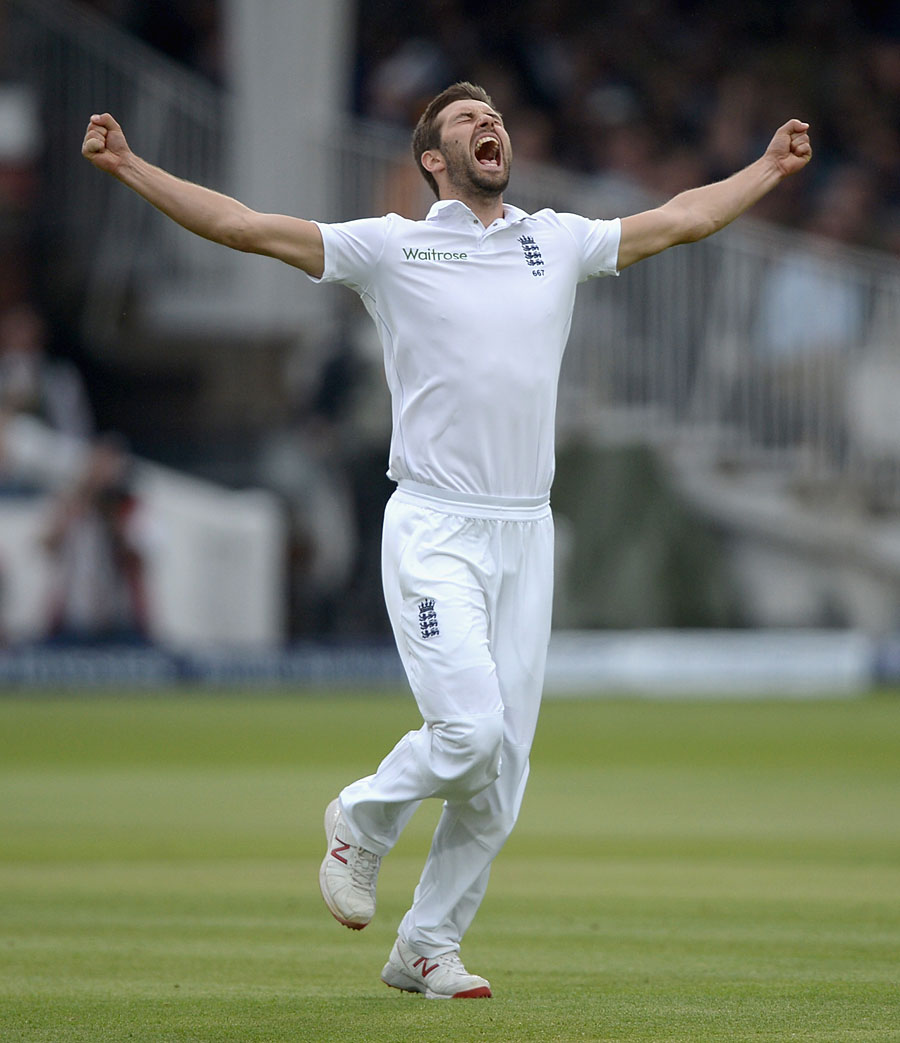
(708, 227)
(690, 224)
(698, 226)
(237, 234)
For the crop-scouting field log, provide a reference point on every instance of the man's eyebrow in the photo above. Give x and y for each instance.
(473, 112)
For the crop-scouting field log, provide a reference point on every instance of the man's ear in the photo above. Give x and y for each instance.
(433, 161)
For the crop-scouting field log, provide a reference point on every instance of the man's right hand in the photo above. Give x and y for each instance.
(104, 143)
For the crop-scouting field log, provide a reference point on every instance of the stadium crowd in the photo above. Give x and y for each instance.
(664, 94)
(667, 94)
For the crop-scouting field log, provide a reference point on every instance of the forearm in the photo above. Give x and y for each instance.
(200, 210)
(696, 213)
(699, 212)
(224, 220)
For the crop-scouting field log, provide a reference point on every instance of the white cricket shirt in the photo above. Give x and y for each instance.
(473, 322)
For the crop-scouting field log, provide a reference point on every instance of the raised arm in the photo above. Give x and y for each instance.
(201, 210)
(699, 212)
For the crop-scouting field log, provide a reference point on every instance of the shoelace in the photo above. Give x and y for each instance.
(364, 869)
(451, 961)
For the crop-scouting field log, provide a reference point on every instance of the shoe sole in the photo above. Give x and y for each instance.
(331, 813)
(397, 979)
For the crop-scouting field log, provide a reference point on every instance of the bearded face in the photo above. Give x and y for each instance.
(475, 149)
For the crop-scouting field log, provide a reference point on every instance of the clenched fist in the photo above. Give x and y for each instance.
(790, 149)
(104, 143)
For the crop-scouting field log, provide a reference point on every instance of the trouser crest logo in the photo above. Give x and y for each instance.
(428, 621)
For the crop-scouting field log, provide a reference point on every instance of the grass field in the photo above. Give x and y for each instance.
(693, 871)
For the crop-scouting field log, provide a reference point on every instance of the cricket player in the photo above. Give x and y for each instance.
(473, 307)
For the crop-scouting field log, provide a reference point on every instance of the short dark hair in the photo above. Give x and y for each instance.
(427, 135)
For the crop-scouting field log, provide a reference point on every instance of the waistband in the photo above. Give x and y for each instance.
(473, 505)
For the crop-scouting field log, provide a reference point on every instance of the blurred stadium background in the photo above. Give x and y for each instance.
(194, 442)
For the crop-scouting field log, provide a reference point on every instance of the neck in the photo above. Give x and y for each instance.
(487, 208)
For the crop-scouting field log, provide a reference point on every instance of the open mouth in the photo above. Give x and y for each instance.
(488, 152)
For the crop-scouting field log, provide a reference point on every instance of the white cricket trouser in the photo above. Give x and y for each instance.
(469, 589)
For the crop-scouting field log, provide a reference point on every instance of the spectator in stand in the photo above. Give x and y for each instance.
(99, 537)
(32, 382)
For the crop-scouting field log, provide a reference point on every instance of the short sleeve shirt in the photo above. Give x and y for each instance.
(473, 322)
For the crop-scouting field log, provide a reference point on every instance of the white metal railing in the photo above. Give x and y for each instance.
(78, 63)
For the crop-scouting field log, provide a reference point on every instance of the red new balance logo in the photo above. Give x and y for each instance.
(426, 970)
(336, 851)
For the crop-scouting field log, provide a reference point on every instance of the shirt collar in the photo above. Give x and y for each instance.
(450, 209)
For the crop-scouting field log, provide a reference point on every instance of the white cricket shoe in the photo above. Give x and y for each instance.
(348, 873)
(438, 977)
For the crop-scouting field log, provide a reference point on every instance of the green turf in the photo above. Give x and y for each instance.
(693, 871)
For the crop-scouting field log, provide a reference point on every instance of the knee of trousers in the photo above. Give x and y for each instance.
(461, 756)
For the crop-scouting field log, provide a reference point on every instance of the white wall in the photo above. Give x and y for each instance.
(216, 564)
(218, 572)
